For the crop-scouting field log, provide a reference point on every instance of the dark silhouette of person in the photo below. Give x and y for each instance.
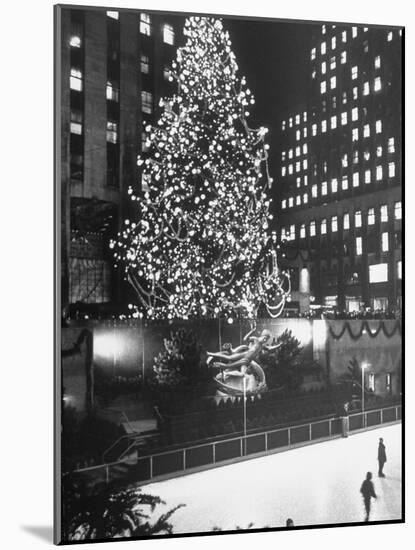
(381, 457)
(368, 491)
(289, 523)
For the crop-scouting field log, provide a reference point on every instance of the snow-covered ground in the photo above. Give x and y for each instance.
(316, 484)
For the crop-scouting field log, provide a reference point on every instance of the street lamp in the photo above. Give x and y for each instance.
(364, 365)
(244, 388)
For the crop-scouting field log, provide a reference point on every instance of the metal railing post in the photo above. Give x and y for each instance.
(184, 459)
(289, 437)
(242, 450)
(381, 416)
(214, 453)
(330, 421)
(266, 442)
(151, 467)
(107, 474)
(309, 431)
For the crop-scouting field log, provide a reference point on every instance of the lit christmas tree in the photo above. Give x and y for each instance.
(200, 245)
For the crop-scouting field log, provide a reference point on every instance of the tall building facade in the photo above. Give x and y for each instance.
(339, 191)
(114, 68)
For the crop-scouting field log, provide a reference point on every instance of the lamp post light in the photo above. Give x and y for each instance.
(364, 365)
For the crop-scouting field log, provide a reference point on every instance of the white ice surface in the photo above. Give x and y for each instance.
(316, 484)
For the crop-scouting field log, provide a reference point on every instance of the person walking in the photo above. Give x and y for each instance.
(368, 491)
(381, 457)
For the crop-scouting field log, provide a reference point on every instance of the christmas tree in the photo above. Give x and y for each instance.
(200, 244)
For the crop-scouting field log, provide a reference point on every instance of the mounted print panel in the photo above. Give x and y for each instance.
(229, 221)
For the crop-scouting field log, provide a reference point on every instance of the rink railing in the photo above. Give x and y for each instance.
(208, 455)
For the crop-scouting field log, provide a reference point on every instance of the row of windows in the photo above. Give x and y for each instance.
(333, 43)
(334, 185)
(332, 64)
(145, 29)
(377, 84)
(289, 233)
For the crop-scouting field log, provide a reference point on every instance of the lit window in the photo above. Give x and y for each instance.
(399, 269)
(314, 191)
(292, 232)
(379, 151)
(344, 98)
(367, 176)
(283, 125)
(290, 122)
(283, 171)
(345, 161)
(302, 231)
(356, 179)
(343, 57)
(145, 64)
(333, 122)
(390, 36)
(290, 202)
(112, 92)
(385, 241)
(378, 84)
(346, 221)
(298, 135)
(306, 180)
(366, 130)
(333, 43)
(305, 149)
(366, 155)
(323, 87)
(384, 213)
(297, 166)
(284, 204)
(371, 216)
(312, 229)
(355, 113)
(377, 62)
(297, 119)
(145, 24)
(113, 14)
(112, 131)
(334, 102)
(354, 72)
(334, 224)
(290, 154)
(355, 134)
(313, 53)
(323, 227)
(75, 41)
(298, 200)
(324, 126)
(168, 34)
(305, 132)
(314, 129)
(333, 81)
(323, 29)
(344, 36)
(358, 246)
(354, 32)
(345, 183)
(298, 181)
(323, 48)
(379, 173)
(366, 88)
(355, 157)
(146, 102)
(290, 169)
(378, 126)
(365, 46)
(325, 166)
(323, 67)
(324, 188)
(355, 92)
(378, 273)
(391, 169)
(391, 145)
(344, 118)
(305, 164)
(297, 151)
(334, 185)
(76, 122)
(305, 198)
(75, 80)
(305, 116)
(398, 210)
(283, 155)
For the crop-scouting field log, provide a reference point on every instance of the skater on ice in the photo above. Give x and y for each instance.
(368, 491)
(381, 457)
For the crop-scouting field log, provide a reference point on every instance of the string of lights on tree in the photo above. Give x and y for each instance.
(200, 245)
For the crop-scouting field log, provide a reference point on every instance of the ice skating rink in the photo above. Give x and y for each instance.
(316, 484)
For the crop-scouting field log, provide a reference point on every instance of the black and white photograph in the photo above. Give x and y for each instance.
(229, 299)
